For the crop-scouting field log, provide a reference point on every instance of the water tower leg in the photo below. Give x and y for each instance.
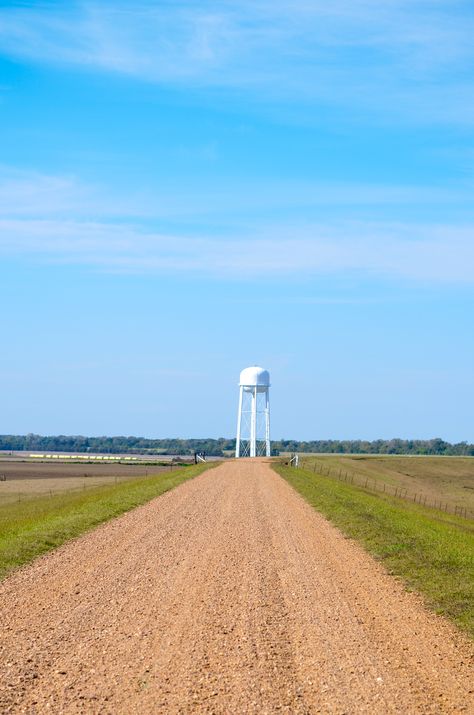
(253, 424)
(267, 423)
(239, 423)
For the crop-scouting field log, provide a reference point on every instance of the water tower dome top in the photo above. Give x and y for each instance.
(255, 375)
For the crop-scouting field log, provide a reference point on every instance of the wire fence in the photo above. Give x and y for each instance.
(374, 485)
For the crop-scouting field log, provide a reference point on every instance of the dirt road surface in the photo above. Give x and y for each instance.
(227, 595)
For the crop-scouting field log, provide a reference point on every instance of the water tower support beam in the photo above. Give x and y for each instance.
(267, 423)
(239, 420)
(253, 424)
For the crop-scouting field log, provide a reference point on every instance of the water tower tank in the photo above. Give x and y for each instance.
(253, 377)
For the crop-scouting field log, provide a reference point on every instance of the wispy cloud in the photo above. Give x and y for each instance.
(421, 253)
(59, 219)
(414, 55)
(36, 194)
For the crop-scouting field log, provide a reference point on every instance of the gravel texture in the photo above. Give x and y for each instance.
(228, 594)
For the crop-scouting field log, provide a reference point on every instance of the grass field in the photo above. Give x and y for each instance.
(34, 526)
(446, 481)
(431, 551)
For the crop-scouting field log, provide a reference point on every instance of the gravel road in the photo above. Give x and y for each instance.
(227, 595)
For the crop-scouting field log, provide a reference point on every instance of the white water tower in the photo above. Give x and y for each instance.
(253, 421)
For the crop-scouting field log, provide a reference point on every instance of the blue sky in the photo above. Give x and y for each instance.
(190, 188)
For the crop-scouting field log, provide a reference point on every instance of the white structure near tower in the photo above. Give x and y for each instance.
(253, 421)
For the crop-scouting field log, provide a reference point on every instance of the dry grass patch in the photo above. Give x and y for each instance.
(449, 480)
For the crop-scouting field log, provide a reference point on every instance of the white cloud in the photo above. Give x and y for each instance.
(414, 55)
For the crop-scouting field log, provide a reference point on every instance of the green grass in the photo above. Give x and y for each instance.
(432, 552)
(32, 527)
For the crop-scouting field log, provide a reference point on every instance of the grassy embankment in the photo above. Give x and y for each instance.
(32, 527)
(431, 551)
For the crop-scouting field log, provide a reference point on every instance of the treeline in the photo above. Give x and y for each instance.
(380, 446)
(222, 446)
(113, 445)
